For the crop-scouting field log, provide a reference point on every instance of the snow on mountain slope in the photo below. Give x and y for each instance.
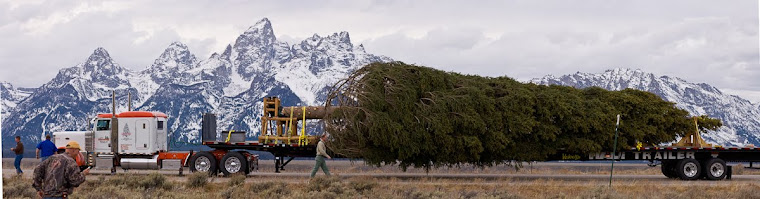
(739, 116)
(66, 101)
(169, 67)
(231, 84)
(10, 97)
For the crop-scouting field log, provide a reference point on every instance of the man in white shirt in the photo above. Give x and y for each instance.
(321, 155)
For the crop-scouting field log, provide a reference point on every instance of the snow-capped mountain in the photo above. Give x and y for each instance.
(739, 116)
(11, 96)
(231, 84)
(66, 101)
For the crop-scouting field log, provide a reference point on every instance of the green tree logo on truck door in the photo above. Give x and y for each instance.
(126, 132)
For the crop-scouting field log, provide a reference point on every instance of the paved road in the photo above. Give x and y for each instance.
(576, 171)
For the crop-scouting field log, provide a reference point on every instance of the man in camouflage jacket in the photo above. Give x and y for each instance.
(57, 176)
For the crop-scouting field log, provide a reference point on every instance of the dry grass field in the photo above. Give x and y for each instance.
(200, 186)
(197, 185)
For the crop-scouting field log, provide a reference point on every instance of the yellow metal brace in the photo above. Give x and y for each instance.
(693, 139)
(266, 136)
(290, 125)
(302, 140)
(229, 133)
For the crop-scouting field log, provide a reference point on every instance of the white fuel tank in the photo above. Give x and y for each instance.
(61, 138)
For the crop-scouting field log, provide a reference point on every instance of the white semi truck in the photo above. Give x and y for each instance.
(140, 141)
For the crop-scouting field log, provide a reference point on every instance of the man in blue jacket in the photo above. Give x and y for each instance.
(47, 147)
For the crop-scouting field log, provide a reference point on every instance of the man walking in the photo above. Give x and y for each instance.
(321, 155)
(47, 147)
(57, 176)
(19, 150)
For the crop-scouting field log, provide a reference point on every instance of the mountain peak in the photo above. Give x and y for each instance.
(97, 60)
(227, 52)
(360, 48)
(624, 71)
(343, 37)
(178, 44)
(101, 68)
(174, 49)
(176, 56)
(100, 51)
(259, 36)
(261, 28)
(4, 86)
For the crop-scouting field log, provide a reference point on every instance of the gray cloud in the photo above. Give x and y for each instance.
(697, 40)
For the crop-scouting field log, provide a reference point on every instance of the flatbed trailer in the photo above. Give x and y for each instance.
(279, 136)
(280, 151)
(685, 163)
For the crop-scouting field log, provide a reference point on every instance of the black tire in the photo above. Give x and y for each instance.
(714, 169)
(689, 169)
(203, 162)
(233, 163)
(668, 169)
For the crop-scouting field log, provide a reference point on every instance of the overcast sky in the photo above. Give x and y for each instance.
(714, 42)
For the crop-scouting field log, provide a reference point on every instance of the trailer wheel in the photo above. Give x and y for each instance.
(668, 169)
(689, 169)
(203, 162)
(715, 169)
(232, 163)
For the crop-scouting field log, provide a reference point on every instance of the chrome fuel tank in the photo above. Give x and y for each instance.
(140, 163)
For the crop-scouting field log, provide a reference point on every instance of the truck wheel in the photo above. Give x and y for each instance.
(668, 169)
(689, 169)
(203, 162)
(715, 169)
(232, 163)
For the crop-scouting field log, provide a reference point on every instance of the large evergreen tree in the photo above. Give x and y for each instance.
(395, 113)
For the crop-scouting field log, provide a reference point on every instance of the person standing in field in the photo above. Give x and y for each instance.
(57, 176)
(47, 148)
(19, 150)
(321, 155)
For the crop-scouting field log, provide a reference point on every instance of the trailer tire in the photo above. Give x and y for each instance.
(715, 169)
(203, 162)
(668, 169)
(689, 169)
(233, 162)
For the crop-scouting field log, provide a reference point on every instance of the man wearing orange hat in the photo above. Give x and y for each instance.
(57, 176)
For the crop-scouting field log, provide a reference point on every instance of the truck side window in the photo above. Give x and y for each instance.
(160, 125)
(104, 125)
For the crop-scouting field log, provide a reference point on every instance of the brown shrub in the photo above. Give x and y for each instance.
(600, 193)
(18, 187)
(362, 185)
(197, 179)
(322, 183)
(108, 192)
(236, 180)
(237, 192)
(270, 189)
(738, 169)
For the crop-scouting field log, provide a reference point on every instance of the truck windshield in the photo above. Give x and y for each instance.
(103, 125)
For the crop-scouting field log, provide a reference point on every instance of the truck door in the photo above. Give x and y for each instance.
(102, 138)
(142, 134)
